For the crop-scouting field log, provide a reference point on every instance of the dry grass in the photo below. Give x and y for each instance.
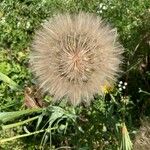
(142, 140)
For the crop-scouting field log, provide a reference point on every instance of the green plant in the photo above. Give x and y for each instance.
(96, 127)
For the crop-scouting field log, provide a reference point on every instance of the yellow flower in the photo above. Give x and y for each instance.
(107, 88)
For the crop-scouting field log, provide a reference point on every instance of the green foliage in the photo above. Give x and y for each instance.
(99, 126)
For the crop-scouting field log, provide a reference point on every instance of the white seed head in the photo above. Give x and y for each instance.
(74, 56)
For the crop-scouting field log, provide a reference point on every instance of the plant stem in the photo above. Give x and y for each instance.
(63, 147)
(24, 135)
(147, 93)
(4, 127)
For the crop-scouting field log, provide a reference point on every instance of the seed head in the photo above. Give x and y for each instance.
(75, 56)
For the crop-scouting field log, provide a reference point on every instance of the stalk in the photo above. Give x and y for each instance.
(25, 135)
(4, 127)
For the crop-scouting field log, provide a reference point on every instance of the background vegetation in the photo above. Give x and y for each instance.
(110, 120)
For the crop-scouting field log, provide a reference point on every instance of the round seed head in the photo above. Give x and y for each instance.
(75, 56)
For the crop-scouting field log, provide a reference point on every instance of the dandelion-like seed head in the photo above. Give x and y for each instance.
(75, 56)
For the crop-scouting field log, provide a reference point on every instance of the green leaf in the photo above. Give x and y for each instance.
(10, 82)
(8, 116)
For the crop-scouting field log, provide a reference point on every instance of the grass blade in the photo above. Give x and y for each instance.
(10, 82)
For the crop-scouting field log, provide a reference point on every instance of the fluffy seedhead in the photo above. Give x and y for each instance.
(75, 56)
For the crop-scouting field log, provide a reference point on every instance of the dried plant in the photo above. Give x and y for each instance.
(142, 139)
(75, 56)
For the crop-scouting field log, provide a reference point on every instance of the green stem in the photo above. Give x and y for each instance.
(63, 147)
(4, 127)
(24, 135)
(147, 93)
